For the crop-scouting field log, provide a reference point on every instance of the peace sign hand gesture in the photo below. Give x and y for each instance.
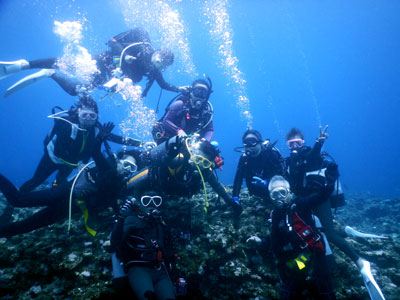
(322, 134)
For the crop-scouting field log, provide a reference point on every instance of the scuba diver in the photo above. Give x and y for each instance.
(142, 241)
(97, 186)
(187, 114)
(257, 165)
(179, 166)
(72, 139)
(297, 243)
(131, 55)
(309, 171)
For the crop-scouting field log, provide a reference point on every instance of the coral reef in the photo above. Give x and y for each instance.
(213, 254)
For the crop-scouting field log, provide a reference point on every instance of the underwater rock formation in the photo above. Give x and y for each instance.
(212, 253)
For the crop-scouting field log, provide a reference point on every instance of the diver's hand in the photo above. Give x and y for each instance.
(105, 131)
(253, 241)
(127, 207)
(185, 90)
(259, 182)
(181, 133)
(322, 134)
(129, 59)
(116, 73)
(236, 200)
(331, 173)
(237, 208)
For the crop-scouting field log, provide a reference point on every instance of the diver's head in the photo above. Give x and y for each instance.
(252, 142)
(202, 153)
(162, 59)
(87, 111)
(126, 165)
(295, 140)
(199, 94)
(279, 190)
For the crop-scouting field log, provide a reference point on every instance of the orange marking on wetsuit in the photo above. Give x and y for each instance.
(141, 174)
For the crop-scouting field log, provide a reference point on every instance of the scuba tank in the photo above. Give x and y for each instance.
(318, 178)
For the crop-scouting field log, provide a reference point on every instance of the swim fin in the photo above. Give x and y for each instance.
(10, 67)
(29, 80)
(351, 231)
(374, 291)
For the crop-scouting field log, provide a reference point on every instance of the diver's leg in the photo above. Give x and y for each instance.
(141, 282)
(66, 83)
(44, 63)
(324, 213)
(323, 278)
(45, 168)
(48, 197)
(292, 286)
(163, 286)
(63, 173)
(44, 217)
(8, 189)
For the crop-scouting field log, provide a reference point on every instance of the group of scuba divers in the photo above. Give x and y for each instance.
(138, 181)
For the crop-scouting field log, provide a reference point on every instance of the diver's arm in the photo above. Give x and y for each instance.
(147, 88)
(316, 149)
(209, 131)
(101, 162)
(278, 162)
(239, 176)
(316, 198)
(157, 75)
(173, 116)
(124, 140)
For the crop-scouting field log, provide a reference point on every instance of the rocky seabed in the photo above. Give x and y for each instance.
(212, 254)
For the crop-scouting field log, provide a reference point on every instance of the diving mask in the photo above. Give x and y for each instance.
(279, 194)
(146, 200)
(200, 91)
(201, 160)
(87, 115)
(295, 144)
(250, 143)
(129, 166)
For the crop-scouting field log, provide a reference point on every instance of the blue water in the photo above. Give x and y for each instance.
(306, 63)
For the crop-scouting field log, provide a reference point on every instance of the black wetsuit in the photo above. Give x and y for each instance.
(140, 67)
(310, 159)
(64, 147)
(286, 246)
(185, 180)
(143, 244)
(97, 188)
(266, 165)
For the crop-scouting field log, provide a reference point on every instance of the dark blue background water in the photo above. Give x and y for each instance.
(305, 63)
